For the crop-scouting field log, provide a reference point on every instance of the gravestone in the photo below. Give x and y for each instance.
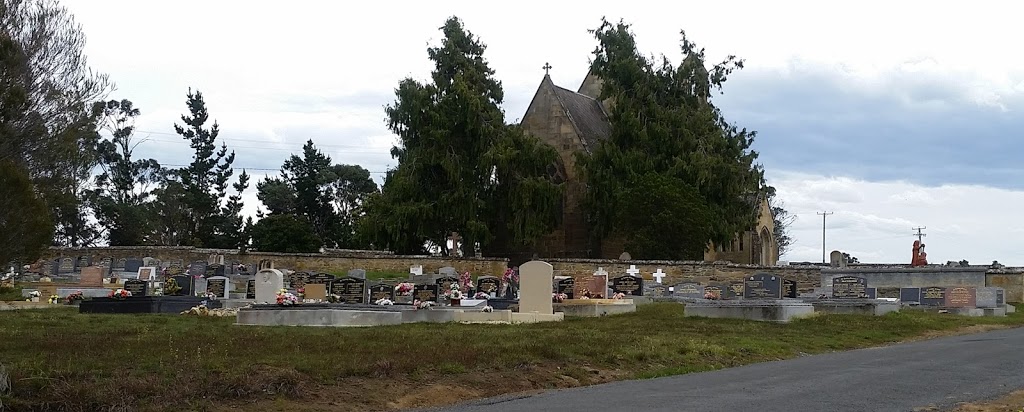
(629, 285)
(137, 287)
(763, 286)
(92, 276)
(148, 261)
(185, 282)
(987, 297)
(625, 256)
(655, 290)
(870, 293)
(715, 290)
(83, 261)
(836, 259)
(349, 290)
(488, 284)
(910, 295)
(933, 296)
(1000, 297)
(200, 286)
(889, 293)
(415, 272)
(659, 275)
(849, 287)
(425, 292)
(689, 290)
(315, 291)
(447, 270)
(147, 273)
(45, 291)
(119, 265)
(67, 265)
(220, 286)
(788, 289)
(268, 283)
(250, 289)
(565, 285)
(132, 265)
(736, 290)
(176, 267)
(297, 280)
(960, 297)
(215, 269)
(320, 278)
(535, 279)
(444, 283)
(357, 273)
(595, 285)
(107, 262)
(382, 291)
(197, 268)
(50, 267)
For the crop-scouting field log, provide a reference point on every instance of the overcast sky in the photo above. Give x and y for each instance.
(892, 115)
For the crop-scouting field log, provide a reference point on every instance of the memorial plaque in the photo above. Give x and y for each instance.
(736, 289)
(297, 280)
(628, 285)
(657, 290)
(444, 283)
(424, 293)
(891, 293)
(716, 291)
(357, 273)
(147, 273)
(215, 269)
(933, 296)
(92, 276)
(132, 265)
(489, 285)
(870, 292)
(1000, 297)
(960, 297)
(137, 287)
(762, 286)
(250, 289)
(907, 294)
(382, 291)
(176, 267)
(186, 283)
(83, 262)
(849, 287)
(46, 290)
(316, 292)
(197, 268)
(323, 278)
(107, 262)
(217, 285)
(349, 290)
(119, 264)
(591, 286)
(789, 289)
(689, 290)
(67, 265)
(565, 286)
(447, 270)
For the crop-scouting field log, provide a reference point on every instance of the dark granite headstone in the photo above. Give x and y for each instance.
(933, 296)
(656, 290)
(910, 295)
(186, 283)
(627, 285)
(67, 265)
(217, 285)
(250, 289)
(890, 293)
(425, 293)
(137, 287)
(197, 268)
(297, 280)
(175, 267)
(349, 289)
(324, 278)
(564, 286)
(960, 297)
(215, 269)
(763, 286)
(132, 265)
(1000, 297)
(849, 287)
(119, 264)
(382, 291)
(83, 262)
(445, 282)
(789, 289)
(491, 285)
(736, 289)
(689, 290)
(107, 262)
(870, 292)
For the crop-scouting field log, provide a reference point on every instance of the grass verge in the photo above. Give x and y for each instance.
(61, 360)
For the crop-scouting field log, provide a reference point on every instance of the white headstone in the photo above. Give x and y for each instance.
(600, 271)
(268, 283)
(199, 287)
(535, 279)
(416, 270)
(659, 275)
(147, 273)
(633, 271)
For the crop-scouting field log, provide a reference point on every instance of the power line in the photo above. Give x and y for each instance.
(920, 236)
(823, 215)
(251, 168)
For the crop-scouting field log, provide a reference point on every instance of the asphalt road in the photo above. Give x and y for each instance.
(934, 373)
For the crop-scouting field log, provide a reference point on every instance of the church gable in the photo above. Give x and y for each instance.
(587, 117)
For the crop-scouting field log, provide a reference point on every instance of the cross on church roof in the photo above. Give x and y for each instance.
(547, 68)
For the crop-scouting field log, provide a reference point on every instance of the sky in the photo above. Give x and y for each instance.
(890, 115)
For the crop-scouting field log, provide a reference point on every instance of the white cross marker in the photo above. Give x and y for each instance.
(633, 271)
(601, 272)
(658, 275)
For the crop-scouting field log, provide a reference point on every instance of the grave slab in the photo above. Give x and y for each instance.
(764, 310)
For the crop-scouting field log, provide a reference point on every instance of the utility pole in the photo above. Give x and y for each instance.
(920, 236)
(823, 215)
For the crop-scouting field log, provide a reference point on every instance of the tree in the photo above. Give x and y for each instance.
(665, 123)
(123, 188)
(657, 222)
(284, 234)
(460, 167)
(783, 221)
(850, 260)
(205, 181)
(25, 227)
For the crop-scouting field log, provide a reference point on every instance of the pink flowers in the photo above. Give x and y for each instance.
(285, 298)
(119, 294)
(558, 297)
(403, 289)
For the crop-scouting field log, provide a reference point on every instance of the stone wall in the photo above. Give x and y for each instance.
(911, 277)
(1011, 279)
(807, 277)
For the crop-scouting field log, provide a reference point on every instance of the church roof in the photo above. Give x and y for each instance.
(587, 116)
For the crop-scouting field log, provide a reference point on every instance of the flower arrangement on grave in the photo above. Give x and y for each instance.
(425, 304)
(383, 302)
(558, 297)
(481, 296)
(301, 292)
(74, 297)
(54, 299)
(284, 298)
(465, 281)
(332, 298)
(453, 293)
(171, 287)
(711, 295)
(584, 294)
(34, 294)
(619, 295)
(120, 294)
(209, 296)
(488, 309)
(404, 289)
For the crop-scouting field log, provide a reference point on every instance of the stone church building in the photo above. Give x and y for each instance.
(575, 121)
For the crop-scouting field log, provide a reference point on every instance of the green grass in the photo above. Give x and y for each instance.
(60, 359)
(8, 294)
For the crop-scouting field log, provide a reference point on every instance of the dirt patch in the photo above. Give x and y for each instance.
(1012, 402)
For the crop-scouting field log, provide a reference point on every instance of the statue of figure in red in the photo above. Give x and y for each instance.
(920, 257)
